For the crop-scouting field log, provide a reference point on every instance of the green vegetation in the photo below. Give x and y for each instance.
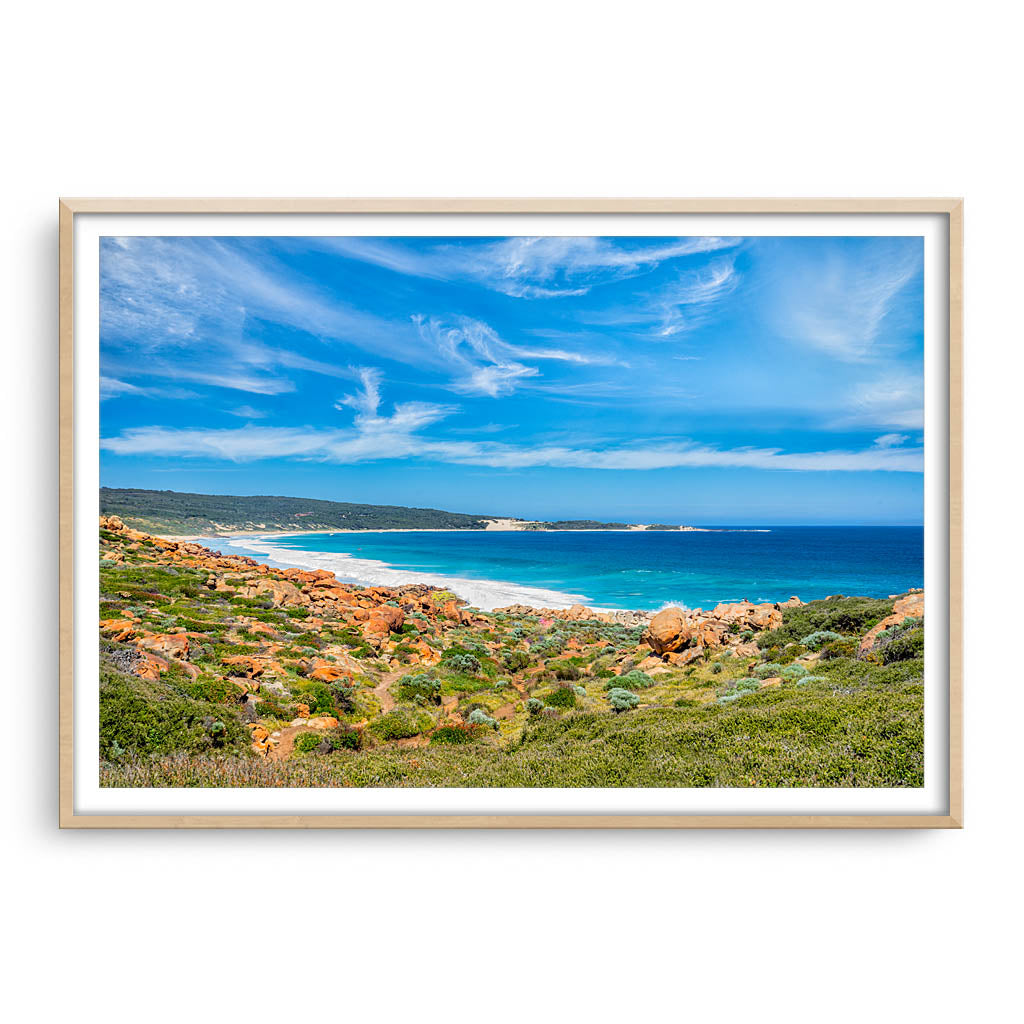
(622, 700)
(159, 717)
(563, 697)
(843, 615)
(401, 723)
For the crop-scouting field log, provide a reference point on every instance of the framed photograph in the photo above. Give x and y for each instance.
(510, 513)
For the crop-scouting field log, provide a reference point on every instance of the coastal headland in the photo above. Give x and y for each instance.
(219, 667)
(185, 516)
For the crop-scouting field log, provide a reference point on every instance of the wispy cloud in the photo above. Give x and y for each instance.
(891, 440)
(247, 412)
(895, 400)
(111, 387)
(240, 379)
(374, 436)
(202, 299)
(481, 362)
(531, 268)
(838, 299)
(682, 305)
(395, 438)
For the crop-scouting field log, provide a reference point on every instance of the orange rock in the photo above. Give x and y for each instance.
(322, 722)
(384, 620)
(669, 631)
(770, 682)
(911, 606)
(302, 710)
(173, 644)
(680, 658)
(282, 594)
(251, 667)
(123, 628)
(150, 666)
(325, 672)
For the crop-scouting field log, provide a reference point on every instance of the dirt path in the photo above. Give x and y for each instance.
(285, 742)
(383, 690)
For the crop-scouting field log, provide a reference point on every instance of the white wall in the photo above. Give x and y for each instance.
(519, 99)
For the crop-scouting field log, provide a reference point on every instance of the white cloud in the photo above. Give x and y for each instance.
(367, 401)
(524, 267)
(891, 440)
(394, 438)
(479, 359)
(680, 306)
(483, 363)
(175, 299)
(111, 387)
(247, 412)
(374, 437)
(895, 400)
(837, 301)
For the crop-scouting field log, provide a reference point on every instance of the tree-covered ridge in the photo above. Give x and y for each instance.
(179, 513)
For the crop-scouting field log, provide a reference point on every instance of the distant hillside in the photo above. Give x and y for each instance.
(174, 512)
(178, 513)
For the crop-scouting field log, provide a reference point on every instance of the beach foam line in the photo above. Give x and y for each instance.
(483, 594)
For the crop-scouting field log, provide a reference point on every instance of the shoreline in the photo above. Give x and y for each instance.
(237, 534)
(486, 593)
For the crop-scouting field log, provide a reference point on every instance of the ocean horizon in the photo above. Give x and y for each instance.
(608, 570)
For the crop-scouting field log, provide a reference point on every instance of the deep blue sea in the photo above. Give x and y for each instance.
(633, 570)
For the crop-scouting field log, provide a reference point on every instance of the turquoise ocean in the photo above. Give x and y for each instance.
(604, 569)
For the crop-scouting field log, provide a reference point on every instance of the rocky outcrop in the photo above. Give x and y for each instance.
(579, 613)
(681, 636)
(909, 607)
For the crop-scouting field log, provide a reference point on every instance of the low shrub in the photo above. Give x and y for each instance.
(468, 664)
(420, 688)
(400, 724)
(534, 706)
(452, 734)
(479, 717)
(307, 741)
(564, 697)
(816, 640)
(516, 661)
(793, 671)
(635, 680)
(345, 739)
(566, 671)
(622, 700)
(746, 684)
(343, 693)
(804, 680)
(900, 643)
(845, 647)
(772, 668)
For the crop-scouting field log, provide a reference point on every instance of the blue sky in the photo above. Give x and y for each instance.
(679, 380)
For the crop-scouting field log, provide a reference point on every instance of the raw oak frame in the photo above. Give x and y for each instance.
(950, 207)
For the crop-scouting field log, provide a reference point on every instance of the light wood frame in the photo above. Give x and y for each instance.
(951, 208)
